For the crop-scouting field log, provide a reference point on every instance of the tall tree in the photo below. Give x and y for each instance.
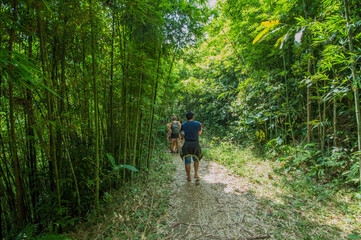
(355, 86)
(96, 110)
(13, 145)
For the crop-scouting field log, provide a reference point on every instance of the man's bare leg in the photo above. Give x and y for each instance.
(174, 143)
(196, 165)
(177, 144)
(188, 171)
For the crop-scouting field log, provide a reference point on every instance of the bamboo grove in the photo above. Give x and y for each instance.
(284, 76)
(83, 89)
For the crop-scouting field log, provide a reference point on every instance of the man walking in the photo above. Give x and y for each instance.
(191, 148)
(173, 133)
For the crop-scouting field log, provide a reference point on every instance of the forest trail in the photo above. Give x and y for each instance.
(219, 207)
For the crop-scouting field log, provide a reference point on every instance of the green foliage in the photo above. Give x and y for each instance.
(223, 151)
(117, 167)
(138, 209)
(354, 236)
(18, 68)
(30, 232)
(337, 167)
(265, 68)
(80, 80)
(256, 75)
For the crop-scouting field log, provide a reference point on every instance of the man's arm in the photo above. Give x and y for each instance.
(201, 131)
(180, 130)
(170, 125)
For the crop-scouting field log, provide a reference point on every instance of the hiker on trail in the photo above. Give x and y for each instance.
(173, 134)
(191, 148)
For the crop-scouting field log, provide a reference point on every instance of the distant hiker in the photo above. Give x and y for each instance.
(191, 148)
(173, 133)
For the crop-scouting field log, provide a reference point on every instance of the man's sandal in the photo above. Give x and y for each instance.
(197, 178)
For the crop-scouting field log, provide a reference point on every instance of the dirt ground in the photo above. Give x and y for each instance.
(216, 207)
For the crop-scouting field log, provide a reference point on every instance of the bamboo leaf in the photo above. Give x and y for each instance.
(298, 36)
(24, 68)
(111, 159)
(267, 27)
(279, 40)
(261, 34)
(284, 39)
(221, 95)
(129, 167)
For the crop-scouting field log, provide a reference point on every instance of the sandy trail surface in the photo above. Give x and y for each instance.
(216, 207)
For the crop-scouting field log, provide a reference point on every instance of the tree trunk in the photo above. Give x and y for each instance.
(287, 99)
(97, 171)
(86, 130)
(166, 88)
(13, 145)
(125, 122)
(111, 127)
(355, 85)
(51, 152)
(2, 189)
(136, 126)
(8, 189)
(334, 122)
(62, 87)
(323, 124)
(154, 91)
(2, 193)
(319, 109)
(51, 119)
(309, 104)
(30, 138)
(125, 125)
(140, 146)
(73, 174)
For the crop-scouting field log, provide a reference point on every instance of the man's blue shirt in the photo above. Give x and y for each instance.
(191, 129)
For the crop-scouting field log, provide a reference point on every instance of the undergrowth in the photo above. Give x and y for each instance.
(337, 166)
(137, 210)
(228, 154)
(299, 199)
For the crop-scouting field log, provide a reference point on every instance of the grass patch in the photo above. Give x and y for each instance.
(230, 155)
(137, 210)
(299, 206)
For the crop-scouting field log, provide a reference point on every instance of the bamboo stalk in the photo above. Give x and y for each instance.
(355, 85)
(97, 163)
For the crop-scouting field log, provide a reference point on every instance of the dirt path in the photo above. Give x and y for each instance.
(216, 208)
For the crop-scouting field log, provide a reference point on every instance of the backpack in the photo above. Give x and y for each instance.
(175, 128)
